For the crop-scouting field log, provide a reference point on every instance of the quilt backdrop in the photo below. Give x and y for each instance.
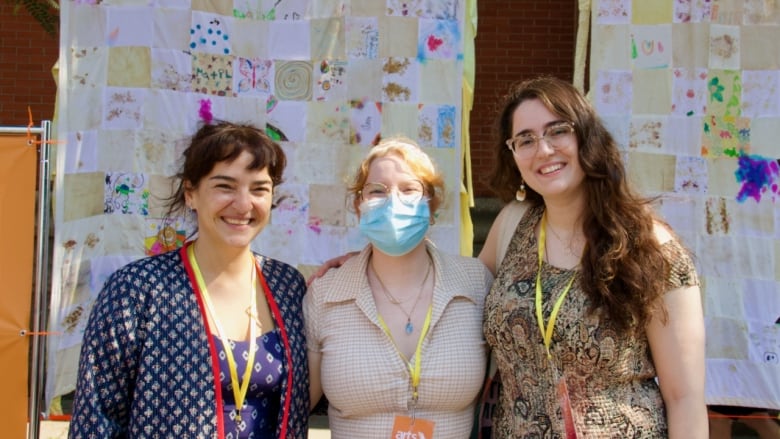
(691, 89)
(326, 78)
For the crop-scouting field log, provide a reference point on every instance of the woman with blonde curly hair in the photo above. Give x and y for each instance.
(395, 334)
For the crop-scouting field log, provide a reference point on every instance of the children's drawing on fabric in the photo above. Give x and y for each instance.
(322, 210)
(290, 206)
(73, 324)
(437, 125)
(690, 175)
(210, 33)
(164, 235)
(724, 47)
(158, 151)
(437, 9)
(760, 93)
(171, 69)
(126, 193)
(689, 92)
(614, 12)
(293, 80)
(400, 80)
(248, 10)
(647, 133)
(725, 136)
(289, 216)
(613, 92)
(438, 39)
(253, 76)
(725, 91)
(286, 120)
(328, 122)
(269, 9)
(692, 11)
(759, 178)
(330, 80)
(764, 338)
(285, 9)
(87, 63)
(212, 74)
(365, 122)
(362, 35)
(651, 46)
(717, 216)
(123, 107)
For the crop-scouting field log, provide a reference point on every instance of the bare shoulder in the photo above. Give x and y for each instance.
(663, 233)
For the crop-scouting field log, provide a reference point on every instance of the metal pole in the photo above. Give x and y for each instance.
(40, 299)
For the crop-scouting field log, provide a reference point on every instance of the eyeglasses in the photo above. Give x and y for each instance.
(409, 192)
(557, 136)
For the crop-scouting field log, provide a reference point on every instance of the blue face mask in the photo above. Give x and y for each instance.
(392, 226)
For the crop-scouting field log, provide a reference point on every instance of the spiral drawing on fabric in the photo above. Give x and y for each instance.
(293, 80)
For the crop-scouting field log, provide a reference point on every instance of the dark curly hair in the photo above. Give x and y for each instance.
(623, 271)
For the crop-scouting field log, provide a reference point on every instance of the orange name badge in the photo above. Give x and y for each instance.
(404, 428)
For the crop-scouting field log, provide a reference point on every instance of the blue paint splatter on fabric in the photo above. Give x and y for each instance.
(758, 175)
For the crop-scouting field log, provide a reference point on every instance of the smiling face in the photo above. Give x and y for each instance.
(233, 203)
(555, 173)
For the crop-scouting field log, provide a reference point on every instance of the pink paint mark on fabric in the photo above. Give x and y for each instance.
(204, 112)
(434, 43)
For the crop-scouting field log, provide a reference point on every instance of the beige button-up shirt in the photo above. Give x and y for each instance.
(366, 381)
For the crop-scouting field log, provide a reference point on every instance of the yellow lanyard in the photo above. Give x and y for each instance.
(415, 370)
(240, 389)
(547, 331)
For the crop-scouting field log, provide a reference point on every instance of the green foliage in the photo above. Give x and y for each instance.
(45, 12)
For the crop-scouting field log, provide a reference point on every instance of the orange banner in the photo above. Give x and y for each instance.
(18, 170)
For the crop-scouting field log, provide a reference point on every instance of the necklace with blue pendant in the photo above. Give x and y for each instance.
(409, 327)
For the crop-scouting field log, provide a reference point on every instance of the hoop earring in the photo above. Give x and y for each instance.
(520, 194)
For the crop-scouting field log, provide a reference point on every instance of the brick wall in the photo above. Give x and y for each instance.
(516, 39)
(27, 55)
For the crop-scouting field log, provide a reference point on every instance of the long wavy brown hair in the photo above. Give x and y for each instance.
(623, 271)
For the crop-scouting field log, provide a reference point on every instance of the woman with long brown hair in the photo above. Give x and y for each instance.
(595, 316)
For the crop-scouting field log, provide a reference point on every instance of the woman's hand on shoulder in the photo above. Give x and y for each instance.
(336, 262)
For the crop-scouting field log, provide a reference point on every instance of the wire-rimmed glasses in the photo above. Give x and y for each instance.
(409, 192)
(557, 136)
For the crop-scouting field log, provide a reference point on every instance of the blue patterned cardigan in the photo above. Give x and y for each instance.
(148, 368)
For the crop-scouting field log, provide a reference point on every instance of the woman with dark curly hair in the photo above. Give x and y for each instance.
(595, 316)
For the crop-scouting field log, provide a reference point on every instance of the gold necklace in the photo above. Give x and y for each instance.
(409, 328)
(568, 245)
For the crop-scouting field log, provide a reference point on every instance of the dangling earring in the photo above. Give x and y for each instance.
(520, 194)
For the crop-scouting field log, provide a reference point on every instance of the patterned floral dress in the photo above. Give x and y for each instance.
(261, 407)
(610, 375)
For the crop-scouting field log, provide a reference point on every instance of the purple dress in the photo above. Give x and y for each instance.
(261, 404)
